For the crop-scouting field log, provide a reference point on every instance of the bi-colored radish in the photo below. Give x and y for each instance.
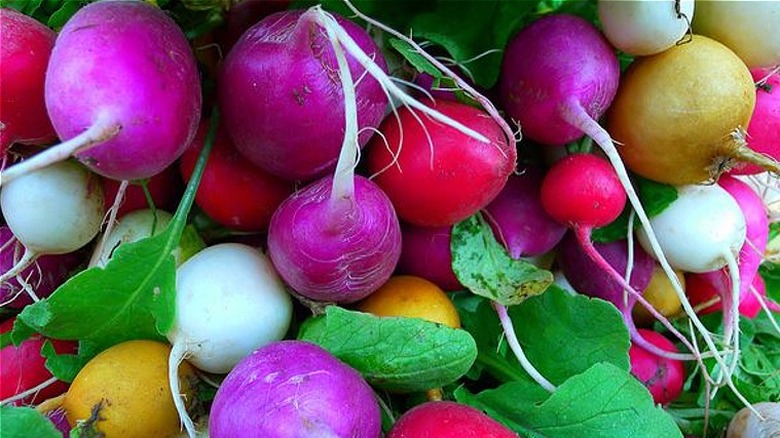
(645, 27)
(751, 31)
(765, 122)
(24, 54)
(122, 91)
(229, 302)
(65, 191)
(681, 114)
(292, 389)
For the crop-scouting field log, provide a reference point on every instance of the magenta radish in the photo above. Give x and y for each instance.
(45, 274)
(751, 32)
(65, 191)
(122, 91)
(24, 54)
(292, 389)
(518, 219)
(229, 302)
(425, 252)
(765, 121)
(645, 27)
(663, 377)
(447, 419)
(278, 81)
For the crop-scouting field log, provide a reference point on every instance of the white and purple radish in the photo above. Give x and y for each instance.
(751, 31)
(518, 218)
(426, 253)
(66, 191)
(229, 302)
(765, 121)
(42, 277)
(751, 253)
(292, 389)
(279, 80)
(122, 91)
(645, 27)
(24, 55)
(583, 192)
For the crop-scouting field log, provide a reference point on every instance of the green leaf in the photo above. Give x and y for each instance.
(133, 297)
(63, 14)
(66, 366)
(578, 332)
(413, 56)
(603, 402)
(27, 7)
(483, 265)
(25, 422)
(395, 354)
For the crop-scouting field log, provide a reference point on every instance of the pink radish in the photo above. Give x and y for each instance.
(122, 91)
(663, 377)
(765, 122)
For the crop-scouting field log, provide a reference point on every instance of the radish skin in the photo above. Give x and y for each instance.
(645, 27)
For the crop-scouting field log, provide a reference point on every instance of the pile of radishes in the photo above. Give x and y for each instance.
(329, 173)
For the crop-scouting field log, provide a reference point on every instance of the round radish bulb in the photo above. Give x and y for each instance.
(434, 174)
(746, 424)
(24, 55)
(447, 419)
(125, 69)
(278, 83)
(327, 253)
(663, 377)
(43, 276)
(22, 368)
(645, 27)
(765, 121)
(425, 252)
(294, 389)
(707, 297)
(518, 219)
(165, 189)
(233, 191)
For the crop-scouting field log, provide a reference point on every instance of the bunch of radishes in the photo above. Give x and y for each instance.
(338, 190)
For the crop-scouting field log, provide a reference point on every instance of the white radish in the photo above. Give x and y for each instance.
(749, 28)
(55, 210)
(229, 302)
(645, 27)
(746, 424)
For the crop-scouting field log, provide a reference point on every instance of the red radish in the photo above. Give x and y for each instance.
(24, 54)
(232, 191)
(42, 277)
(165, 189)
(518, 219)
(765, 121)
(663, 377)
(22, 369)
(707, 297)
(278, 82)
(122, 91)
(294, 389)
(434, 174)
(425, 252)
(447, 419)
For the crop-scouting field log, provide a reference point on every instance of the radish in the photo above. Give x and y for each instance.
(661, 295)
(681, 114)
(763, 421)
(233, 191)
(645, 27)
(24, 378)
(42, 277)
(279, 80)
(434, 174)
(122, 90)
(229, 302)
(294, 389)
(65, 191)
(765, 122)
(663, 377)
(708, 297)
(425, 252)
(24, 54)
(518, 219)
(751, 32)
(447, 419)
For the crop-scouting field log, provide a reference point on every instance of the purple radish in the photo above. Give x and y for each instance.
(425, 252)
(122, 91)
(518, 219)
(559, 75)
(43, 276)
(280, 80)
(294, 389)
